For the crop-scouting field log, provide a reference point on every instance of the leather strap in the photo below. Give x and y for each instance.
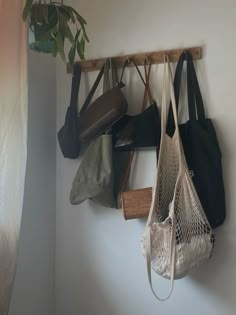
(140, 75)
(146, 93)
(127, 61)
(92, 91)
(107, 69)
(75, 86)
(115, 80)
(147, 71)
(110, 75)
(106, 76)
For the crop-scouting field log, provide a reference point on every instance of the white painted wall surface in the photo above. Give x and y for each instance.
(99, 266)
(33, 290)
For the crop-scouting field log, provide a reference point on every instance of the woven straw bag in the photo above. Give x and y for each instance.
(177, 236)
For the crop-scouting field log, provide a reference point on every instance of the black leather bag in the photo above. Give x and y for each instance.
(201, 147)
(142, 130)
(68, 135)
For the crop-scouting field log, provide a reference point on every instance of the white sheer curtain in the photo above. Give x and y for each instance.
(13, 125)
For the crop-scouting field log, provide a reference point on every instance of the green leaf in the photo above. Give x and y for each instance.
(71, 55)
(60, 45)
(27, 8)
(65, 28)
(72, 52)
(84, 32)
(69, 34)
(82, 23)
(80, 18)
(81, 48)
(48, 34)
(77, 35)
(67, 11)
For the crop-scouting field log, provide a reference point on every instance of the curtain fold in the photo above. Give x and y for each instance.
(13, 139)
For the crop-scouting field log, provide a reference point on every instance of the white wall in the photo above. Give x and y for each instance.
(33, 291)
(99, 267)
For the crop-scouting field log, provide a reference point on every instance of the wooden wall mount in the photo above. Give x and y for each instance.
(155, 57)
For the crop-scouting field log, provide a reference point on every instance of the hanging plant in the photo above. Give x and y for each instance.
(50, 24)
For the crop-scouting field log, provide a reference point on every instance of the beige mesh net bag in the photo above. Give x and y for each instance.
(177, 235)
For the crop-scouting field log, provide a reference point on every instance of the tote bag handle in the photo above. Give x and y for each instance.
(110, 78)
(195, 102)
(148, 237)
(75, 86)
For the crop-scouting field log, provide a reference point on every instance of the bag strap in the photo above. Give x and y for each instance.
(195, 102)
(75, 86)
(115, 79)
(148, 247)
(197, 98)
(151, 100)
(105, 68)
(110, 75)
(168, 74)
(106, 76)
(149, 226)
(146, 91)
(147, 71)
(92, 91)
(196, 108)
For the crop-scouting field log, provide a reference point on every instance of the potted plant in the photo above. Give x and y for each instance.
(50, 24)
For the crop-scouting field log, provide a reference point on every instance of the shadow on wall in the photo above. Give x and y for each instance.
(101, 302)
(216, 275)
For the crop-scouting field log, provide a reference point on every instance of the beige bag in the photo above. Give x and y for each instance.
(177, 236)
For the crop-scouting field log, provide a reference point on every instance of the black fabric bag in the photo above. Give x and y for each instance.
(68, 135)
(200, 145)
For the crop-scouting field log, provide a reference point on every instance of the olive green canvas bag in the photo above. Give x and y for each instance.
(94, 179)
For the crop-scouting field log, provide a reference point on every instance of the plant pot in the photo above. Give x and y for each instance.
(38, 30)
(35, 32)
(50, 25)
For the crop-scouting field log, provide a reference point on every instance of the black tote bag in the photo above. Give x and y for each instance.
(201, 146)
(68, 134)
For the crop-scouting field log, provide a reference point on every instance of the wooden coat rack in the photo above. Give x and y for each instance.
(155, 57)
(132, 207)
